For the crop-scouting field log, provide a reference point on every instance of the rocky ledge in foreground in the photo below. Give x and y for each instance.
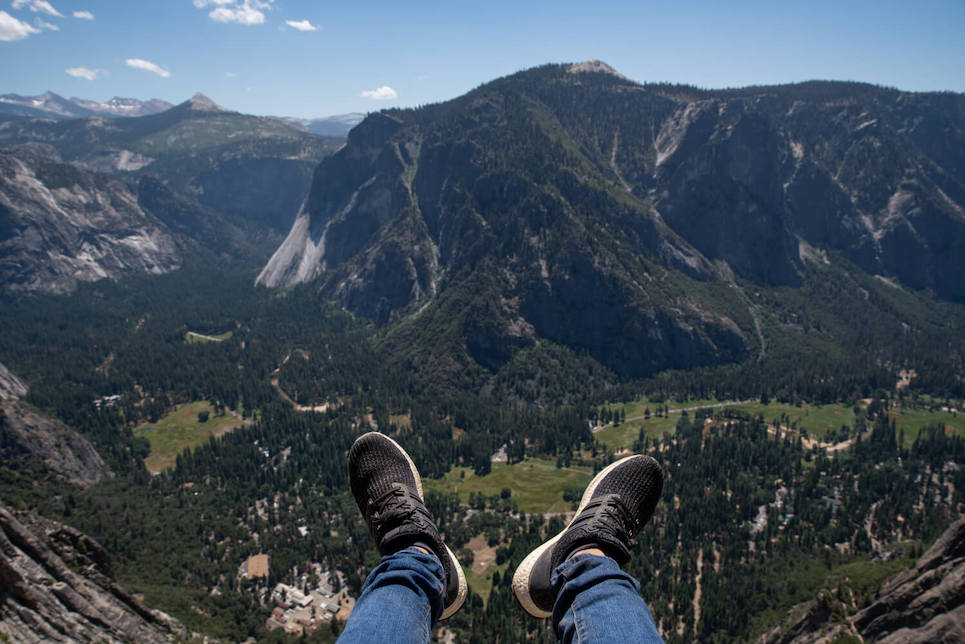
(43, 599)
(925, 603)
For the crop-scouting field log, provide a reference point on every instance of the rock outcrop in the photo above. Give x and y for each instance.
(30, 439)
(11, 387)
(923, 604)
(56, 585)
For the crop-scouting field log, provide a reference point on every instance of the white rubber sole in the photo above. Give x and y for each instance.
(452, 608)
(525, 569)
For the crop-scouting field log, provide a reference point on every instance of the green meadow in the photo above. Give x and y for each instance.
(180, 430)
(537, 484)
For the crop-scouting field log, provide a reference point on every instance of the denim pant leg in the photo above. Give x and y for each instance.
(597, 602)
(400, 600)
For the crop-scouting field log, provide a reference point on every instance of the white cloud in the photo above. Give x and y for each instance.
(383, 93)
(84, 15)
(140, 63)
(13, 29)
(43, 24)
(301, 25)
(37, 6)
(231, 75)
(84, 72)
(243, 12)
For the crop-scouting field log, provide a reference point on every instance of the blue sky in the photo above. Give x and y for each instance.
(308, 58)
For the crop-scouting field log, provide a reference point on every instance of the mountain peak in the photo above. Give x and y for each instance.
(202, 103)
(594, 66)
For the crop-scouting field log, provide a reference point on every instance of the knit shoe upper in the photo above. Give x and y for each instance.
(617, 503)
(388, 491)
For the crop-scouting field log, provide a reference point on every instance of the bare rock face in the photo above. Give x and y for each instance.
(926, 603)
(43, 599)
(27, 437)
(11, 387)
(923, 604)
(60, 225)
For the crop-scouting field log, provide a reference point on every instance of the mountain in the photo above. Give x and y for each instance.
(46, 105)
(257, 170)
(61, 225)
(51, 105)
(635, 223)
(337, 126)
(118, 106)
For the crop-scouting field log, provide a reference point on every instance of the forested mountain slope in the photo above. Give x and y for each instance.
(636, 223)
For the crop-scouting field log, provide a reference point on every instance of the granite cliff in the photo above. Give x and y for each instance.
(60, 225)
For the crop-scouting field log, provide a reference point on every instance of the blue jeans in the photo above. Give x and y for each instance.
(595, 602)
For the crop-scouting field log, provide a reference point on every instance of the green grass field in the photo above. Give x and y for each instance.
(816, 419)
(912, 420)
(537, 485)
(625, 434)
(180, 430)
(637, 407)
(482, 584)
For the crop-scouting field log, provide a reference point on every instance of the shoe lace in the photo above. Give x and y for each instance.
(395, 507)
(610, 514)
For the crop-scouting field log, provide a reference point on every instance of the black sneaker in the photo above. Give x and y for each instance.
(388, 491)
(617, 503)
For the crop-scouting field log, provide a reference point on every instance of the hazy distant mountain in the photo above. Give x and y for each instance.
(337, 126)
(118, 106)
(633, 222)
(51, 105)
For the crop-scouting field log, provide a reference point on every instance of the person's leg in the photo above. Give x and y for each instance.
(419, 579)
(400, 597)
(575, 577)
(597, 601)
